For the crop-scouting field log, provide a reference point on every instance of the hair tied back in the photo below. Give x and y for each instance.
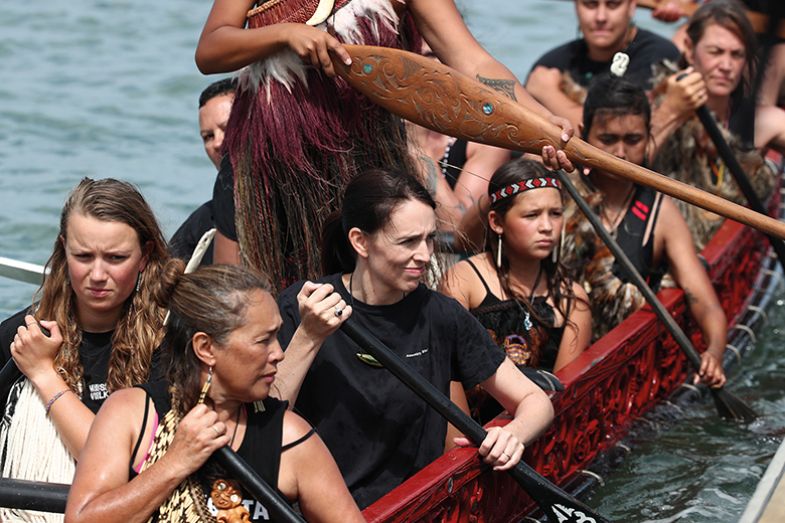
(619, 64)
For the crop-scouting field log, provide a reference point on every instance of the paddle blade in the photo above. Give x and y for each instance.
(731, 407)
(558, 506)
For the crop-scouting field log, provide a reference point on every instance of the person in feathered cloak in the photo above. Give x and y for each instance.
(297, 135)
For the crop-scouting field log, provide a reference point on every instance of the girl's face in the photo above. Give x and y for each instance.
(245, 366)
(104, 261)
(720, 57)
(397, 256)
(624, 136)
(531, 227)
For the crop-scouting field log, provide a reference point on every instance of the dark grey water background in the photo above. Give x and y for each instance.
(109, 88)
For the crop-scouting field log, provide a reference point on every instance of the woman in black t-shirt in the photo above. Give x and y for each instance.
(377, 251)
(103, 329)
(222, 354)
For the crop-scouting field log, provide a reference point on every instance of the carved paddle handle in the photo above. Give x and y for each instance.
(435, 96)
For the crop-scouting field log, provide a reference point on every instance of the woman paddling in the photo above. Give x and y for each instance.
(96, 303)
(646, 224)
(721, 52)
(380, 432)
(146, 458)
(517, 287)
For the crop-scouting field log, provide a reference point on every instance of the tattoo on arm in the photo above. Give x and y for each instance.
(504, 86)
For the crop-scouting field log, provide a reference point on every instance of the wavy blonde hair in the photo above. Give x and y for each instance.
(140, 328)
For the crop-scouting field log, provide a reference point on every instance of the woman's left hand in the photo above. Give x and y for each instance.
(33, 351)
(554, 158)
(500, 449)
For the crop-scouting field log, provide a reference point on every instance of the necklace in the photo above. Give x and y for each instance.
(527, 319)
(236, 424)
(613, 224)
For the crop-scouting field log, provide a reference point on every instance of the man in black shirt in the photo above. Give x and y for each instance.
(607, 28)
(215, 104)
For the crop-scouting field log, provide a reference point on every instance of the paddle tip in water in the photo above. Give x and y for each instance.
(732, 408)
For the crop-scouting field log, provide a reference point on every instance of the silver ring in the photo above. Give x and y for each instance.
(338, 312)
(506, 457)
(217, 434)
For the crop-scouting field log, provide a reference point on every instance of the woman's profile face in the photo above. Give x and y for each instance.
(398, 254)
(104, 259)
(245, 366)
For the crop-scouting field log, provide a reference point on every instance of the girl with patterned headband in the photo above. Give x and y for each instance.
(517, 288)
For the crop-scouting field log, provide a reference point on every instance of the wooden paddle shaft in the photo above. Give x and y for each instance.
(435, 96)
(758, 21)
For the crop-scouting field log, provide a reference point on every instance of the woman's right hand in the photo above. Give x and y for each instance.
(319, 305)
(33, 351)
(315, 46)
(198, 435)
(685, 92)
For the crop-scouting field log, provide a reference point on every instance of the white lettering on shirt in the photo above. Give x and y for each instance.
(418, 353)
(98, 391)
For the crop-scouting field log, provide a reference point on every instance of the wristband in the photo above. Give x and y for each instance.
(54, 398)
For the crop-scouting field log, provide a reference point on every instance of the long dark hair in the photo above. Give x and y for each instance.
(558, 283)
(730, 15)
(212, 300)
(368, 201)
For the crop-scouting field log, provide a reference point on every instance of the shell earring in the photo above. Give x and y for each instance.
(206, 387)
(499, 253)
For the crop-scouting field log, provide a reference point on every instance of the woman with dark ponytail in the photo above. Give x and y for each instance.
(146, 457)
(380, 432)
(518, 288)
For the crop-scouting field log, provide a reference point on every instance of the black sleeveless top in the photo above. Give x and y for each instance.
(527, 342)
(261, 446)
(631, 234)
(453, 160)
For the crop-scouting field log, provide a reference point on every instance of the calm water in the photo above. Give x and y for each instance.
(109, 88)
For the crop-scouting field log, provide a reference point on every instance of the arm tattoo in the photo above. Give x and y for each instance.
(504, 86)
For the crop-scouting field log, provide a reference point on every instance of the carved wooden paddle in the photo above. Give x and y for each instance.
(440, 98)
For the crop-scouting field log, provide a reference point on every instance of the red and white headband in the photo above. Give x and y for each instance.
(526, 185)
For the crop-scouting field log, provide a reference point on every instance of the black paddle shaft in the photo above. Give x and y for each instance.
(742, 180)
(237, 468)
(559, 506)
(728, 405)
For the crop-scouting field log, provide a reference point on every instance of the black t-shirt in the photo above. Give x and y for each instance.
(378, 431)
(93, 354)
(260, 448)
(223, 200)
(184, 240)
(645, 50)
